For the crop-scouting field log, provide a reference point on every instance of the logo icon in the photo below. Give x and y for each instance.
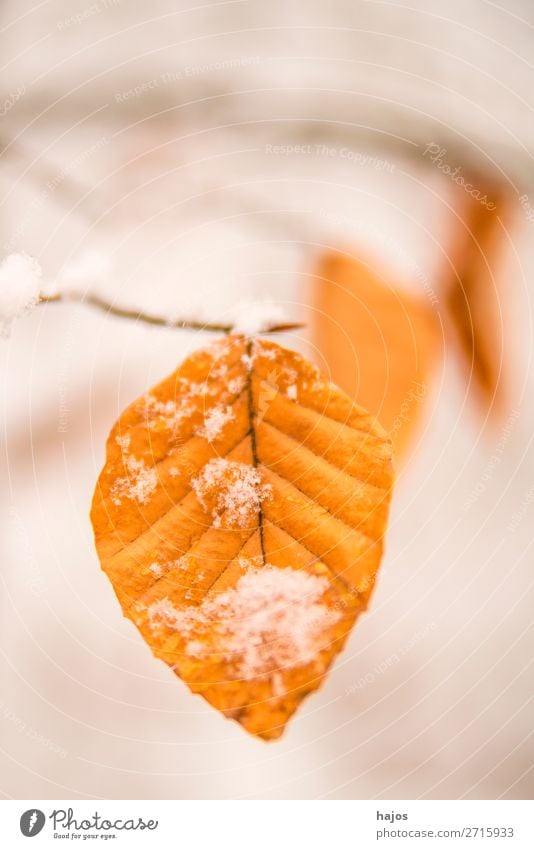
(32, 822)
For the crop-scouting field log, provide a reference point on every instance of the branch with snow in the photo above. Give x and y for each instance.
(21, 290)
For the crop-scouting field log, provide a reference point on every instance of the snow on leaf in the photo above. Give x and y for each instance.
(138, 483)
(168, 414)
(235, 491)
(272, 619)
(215, 420)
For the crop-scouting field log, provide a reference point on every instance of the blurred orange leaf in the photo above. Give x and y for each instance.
(239, 517)
(472, 293)
(379, 343)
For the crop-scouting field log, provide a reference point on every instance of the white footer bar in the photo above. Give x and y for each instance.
(268, 824)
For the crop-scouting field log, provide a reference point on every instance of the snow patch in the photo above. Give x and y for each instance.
(123, 441)
(234, 490)
(170, 414)
(219, 372)
(199, 389)
(273, 619)
(214, 422)
(138, 484)
(236, 385)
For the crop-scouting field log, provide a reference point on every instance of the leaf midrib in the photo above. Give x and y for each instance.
(253, 442)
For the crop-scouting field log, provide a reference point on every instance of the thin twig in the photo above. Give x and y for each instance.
(136, 315)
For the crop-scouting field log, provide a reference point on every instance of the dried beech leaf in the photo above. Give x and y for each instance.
(239, 517)
(380, 344)
(471, 282)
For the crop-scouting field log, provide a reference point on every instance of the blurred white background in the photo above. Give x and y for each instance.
(143, 133)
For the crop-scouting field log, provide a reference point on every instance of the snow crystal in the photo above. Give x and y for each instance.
(159, 569)
(194, 648)
(219, 372)
(236, 489)
(236, 385)
(214, 421)
(268, 353)
(246, 563)
(202, 389)
(290, 375)
(164, 613)
(123, 441)
(273, 619)
(169, 413)
(139, 483)
(219, 348)
(20, 285)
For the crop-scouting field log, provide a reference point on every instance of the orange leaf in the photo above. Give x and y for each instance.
(471, 282)
(379, 343)
(239, 517)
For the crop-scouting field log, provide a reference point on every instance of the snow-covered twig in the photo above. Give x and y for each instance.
(21, 290)
(137, 315)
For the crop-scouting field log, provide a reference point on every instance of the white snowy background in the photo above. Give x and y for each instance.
(141, 132)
